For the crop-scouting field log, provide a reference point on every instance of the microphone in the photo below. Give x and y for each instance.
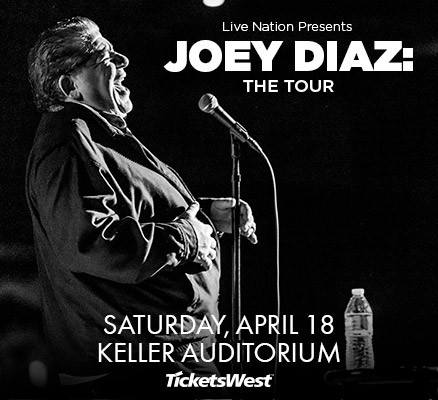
(209, 104)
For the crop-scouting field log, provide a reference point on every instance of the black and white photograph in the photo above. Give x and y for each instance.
(219, 199)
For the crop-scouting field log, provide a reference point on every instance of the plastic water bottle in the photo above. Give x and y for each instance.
(359, 332)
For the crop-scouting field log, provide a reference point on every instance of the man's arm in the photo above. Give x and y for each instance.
(220, 211)
(82, 221)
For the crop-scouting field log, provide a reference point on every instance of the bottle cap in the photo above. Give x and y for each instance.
(357, 292)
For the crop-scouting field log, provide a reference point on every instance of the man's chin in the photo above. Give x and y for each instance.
(124, 107)
(122, 100)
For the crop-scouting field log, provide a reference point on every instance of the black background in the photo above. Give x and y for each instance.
(356, 169)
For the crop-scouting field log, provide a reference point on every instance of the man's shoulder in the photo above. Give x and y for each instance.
(67, 128)
(59, 127)
(62, 134)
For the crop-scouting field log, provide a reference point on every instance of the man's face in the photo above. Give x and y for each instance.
(99, 80)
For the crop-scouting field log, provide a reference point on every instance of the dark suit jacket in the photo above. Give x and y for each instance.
(108, 239)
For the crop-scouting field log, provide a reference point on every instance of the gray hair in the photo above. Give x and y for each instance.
(59, 50)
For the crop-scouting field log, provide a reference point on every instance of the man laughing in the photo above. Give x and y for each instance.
(116, 230)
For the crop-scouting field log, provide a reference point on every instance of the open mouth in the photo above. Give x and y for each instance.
(121, 94)
(118, 86)
(119, 79)
(120, 89)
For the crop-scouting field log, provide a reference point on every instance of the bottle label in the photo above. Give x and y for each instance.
(359, 324)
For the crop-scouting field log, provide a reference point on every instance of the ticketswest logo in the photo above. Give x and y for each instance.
(228, 380)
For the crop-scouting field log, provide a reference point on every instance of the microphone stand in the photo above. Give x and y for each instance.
(236, 339)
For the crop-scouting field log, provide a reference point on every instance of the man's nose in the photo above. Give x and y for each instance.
(120, 60)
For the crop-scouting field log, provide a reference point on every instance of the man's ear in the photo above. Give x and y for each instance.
(68, 86)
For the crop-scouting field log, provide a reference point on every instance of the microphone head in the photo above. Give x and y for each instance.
(208, 103)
